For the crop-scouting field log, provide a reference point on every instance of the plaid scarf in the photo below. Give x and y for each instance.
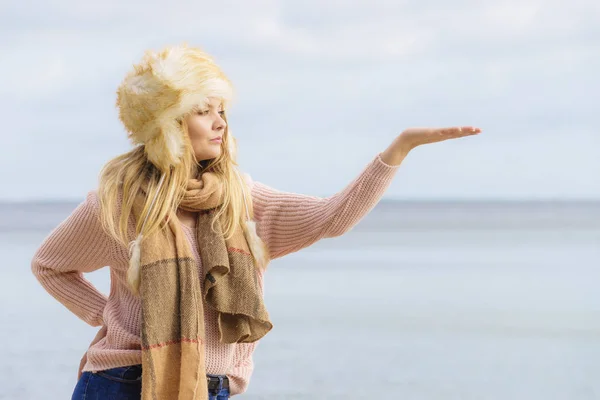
(172, 297)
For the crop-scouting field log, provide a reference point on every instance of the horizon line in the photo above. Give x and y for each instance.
(396, 200)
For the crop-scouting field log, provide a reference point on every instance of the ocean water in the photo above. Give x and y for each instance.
(419, 301)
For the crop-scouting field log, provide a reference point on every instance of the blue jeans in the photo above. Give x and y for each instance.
(123, 383)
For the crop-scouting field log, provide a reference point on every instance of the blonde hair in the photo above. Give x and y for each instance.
(154, 100)
(122, 178)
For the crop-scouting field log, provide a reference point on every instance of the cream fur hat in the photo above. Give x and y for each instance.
(162, 88)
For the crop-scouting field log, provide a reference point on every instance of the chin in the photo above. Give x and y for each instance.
(207, 156)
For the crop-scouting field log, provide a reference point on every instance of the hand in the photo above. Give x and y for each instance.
(101, 333)
(81, 365)
(413, 137)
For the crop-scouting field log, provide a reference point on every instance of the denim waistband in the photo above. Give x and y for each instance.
(134, 373)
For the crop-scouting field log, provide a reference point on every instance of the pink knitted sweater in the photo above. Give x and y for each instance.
(286, 222)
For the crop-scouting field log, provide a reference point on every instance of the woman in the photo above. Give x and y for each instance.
(187, 238)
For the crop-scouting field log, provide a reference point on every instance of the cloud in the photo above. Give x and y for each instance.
(319, 77)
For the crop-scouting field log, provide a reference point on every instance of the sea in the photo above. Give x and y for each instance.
(421, 300)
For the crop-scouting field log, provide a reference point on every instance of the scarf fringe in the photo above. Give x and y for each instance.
(133, 272)
(257, 246)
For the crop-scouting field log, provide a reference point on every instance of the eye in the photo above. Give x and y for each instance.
(222, 112)
(203, 112)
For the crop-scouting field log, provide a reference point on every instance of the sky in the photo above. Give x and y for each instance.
(321, 87)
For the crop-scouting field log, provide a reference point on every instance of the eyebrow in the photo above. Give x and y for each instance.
(211, 106)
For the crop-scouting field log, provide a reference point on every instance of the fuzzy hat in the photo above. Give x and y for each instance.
(162, 88)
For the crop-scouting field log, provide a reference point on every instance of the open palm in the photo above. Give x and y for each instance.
(417, 136)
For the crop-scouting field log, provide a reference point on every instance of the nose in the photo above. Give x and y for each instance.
(220, 123)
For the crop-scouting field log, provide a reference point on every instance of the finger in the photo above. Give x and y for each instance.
(469, 130)
(459, 131)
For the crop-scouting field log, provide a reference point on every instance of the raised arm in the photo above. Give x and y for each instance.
(75, 246)
(288, 222)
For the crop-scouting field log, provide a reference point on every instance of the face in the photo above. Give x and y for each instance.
(206, 128)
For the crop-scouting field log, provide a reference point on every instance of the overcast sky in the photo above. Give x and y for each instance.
(321, 87)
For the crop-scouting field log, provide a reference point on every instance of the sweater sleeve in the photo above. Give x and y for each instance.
(288, 222)
(76, 245)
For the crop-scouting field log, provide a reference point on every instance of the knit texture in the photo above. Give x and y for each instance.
(286, 222)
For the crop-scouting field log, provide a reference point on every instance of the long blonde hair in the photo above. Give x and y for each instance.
(122, 178)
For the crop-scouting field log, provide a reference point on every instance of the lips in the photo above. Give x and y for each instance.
(217, 139)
